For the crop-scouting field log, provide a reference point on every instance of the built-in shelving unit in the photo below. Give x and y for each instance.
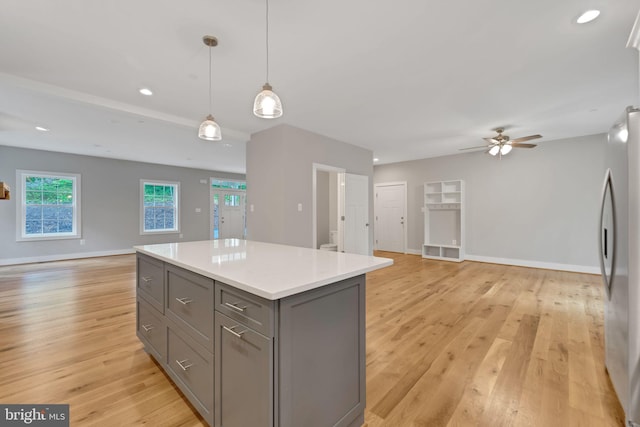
(444, 220)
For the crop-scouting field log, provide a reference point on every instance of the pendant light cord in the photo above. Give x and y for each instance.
(267, 38)
(209, 79)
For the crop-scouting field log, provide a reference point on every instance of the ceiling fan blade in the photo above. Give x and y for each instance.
(472, 148)
(491, 140)
(519, 145)
(526, 138)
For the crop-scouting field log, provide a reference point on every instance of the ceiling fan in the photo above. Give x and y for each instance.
(502, 144)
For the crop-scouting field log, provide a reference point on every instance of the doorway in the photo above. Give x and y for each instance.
(390, 209)
(343, 199)
(228, 209)
(326, 199)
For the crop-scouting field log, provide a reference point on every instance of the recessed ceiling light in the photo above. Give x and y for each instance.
(375, 159)
(588, 16)
(42, 129)
(146, 91)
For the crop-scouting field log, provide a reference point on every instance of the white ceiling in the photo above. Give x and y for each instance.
(407, 79)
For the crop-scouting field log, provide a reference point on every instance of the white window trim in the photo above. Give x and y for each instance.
(22, 204)
(177, 221)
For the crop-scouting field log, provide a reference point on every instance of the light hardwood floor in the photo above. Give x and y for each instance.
(447, 345)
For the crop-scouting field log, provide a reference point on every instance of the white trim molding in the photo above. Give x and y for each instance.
(535, 264)
(64, 257)
(634, 37)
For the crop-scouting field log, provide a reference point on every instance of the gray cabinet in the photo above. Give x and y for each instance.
(322, 356)
(255, 312)
(243, 360)
(191, 367)
(150, 281)
(189, 303)
(150, 328)
(243, 375)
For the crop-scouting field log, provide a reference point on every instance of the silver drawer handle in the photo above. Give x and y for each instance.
(184, 301)
(231, 331)
(236, 307)
(147, 278)
(148, 327)
(181, 364)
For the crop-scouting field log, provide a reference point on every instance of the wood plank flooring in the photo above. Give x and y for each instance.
(448, 344)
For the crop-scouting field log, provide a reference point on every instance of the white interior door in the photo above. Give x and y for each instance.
(390, 217)
(354, 233)
(229, 214)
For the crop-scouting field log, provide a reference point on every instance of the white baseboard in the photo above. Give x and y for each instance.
(535, 264)
(62, 257)
(414, 252)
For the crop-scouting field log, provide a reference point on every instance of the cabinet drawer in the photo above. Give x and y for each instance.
(244, 383)
(150, 281)
(191, 367)
(190, 303)
(151, 330)
(250, 310)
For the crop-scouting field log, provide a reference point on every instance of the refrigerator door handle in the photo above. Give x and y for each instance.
(607, 237)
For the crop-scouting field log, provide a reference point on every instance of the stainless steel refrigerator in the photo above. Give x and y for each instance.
(619, 242)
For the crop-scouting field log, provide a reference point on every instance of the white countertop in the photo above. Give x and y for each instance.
(265, 269)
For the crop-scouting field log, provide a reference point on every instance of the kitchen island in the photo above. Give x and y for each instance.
(258, 334)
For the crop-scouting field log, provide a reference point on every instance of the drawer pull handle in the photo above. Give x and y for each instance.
(147, 278)
(236, 307)
(184, 301)
(182, 365)
(231, 331)
(148, 327)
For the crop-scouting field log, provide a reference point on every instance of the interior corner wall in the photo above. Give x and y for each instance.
(280, 178)
(534, 207)
(110, 204)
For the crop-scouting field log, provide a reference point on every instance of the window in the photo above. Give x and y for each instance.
(160, 206)
(232, 200)
(49, 205)
(228, 185)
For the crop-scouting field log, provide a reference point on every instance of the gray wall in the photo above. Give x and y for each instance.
(279, 177)
(110, 203)
(538, 205)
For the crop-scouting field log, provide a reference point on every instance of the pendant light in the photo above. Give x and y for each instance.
(209, 129)
(267, 104)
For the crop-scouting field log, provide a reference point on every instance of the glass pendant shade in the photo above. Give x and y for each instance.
(505, 149)
(209, 130)
(494, 150)
(267, 104)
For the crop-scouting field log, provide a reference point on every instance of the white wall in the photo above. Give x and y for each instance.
(279, 177)
(536, 207)
(323, 211)
(110, 204)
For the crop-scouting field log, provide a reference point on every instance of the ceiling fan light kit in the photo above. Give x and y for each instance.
(502, 144)
(209, 130)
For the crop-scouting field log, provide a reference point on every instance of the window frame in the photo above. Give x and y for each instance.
(21, 206)
(176, 221)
